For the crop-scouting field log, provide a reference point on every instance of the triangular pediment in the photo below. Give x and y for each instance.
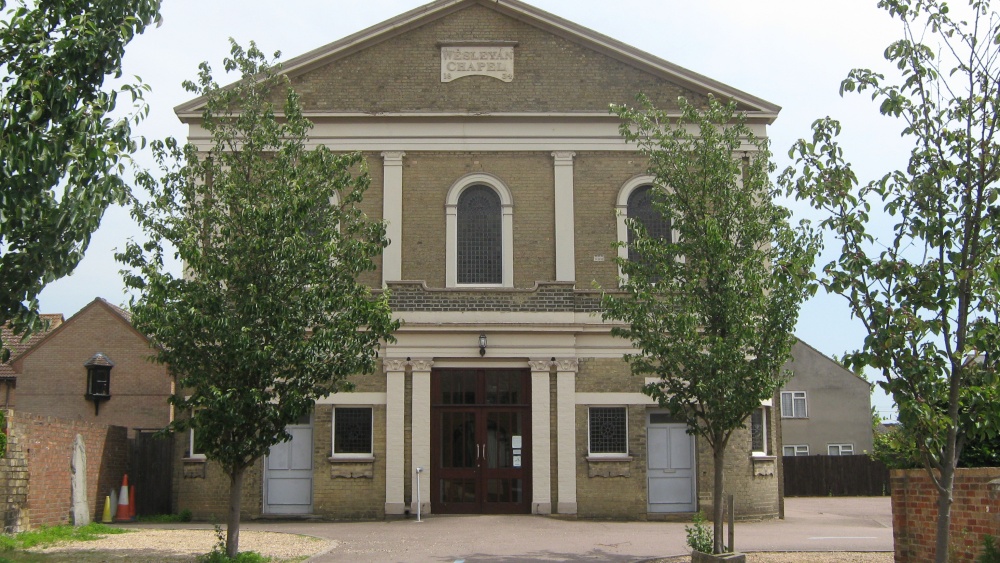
(524, 61)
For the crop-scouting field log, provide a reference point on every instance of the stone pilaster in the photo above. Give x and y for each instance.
(566, 434)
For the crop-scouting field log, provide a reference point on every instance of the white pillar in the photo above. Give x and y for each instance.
(541, 447)
(420, 431)
(564, 221)
(566, 434)
(395, 440)
(392, 213)
(507, 229)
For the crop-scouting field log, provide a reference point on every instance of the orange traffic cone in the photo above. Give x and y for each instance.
(124, 510)
(131, 503)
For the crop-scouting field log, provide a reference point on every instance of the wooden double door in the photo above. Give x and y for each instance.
(480, 441)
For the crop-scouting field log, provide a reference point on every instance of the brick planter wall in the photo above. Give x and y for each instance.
(35, 473)
(975, 513)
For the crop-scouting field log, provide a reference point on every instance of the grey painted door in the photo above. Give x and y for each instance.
(670, 469)
(288, 473)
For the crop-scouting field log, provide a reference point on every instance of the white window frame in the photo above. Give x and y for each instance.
(506, 226)
(333, 434)
(609, 455)
(842, 449)
(192, 454)
(795, 396)
(797, 450)
(767, 433)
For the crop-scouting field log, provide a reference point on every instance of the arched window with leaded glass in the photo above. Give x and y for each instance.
(642, 210)
(480, 236)
(479, 232)
(635, 201)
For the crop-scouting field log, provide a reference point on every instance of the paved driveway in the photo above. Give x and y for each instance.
(810, 524)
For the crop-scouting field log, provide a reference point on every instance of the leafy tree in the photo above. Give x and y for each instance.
(269, 314)
(927, 288)
(63, 153)
(711, 313)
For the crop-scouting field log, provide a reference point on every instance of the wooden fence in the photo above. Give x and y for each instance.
(832, 475)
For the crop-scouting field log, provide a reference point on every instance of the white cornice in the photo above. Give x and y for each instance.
(449, 133)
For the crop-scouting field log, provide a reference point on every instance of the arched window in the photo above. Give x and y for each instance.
(480, 236)
(635, 202)
(480, 233)
(642, 210)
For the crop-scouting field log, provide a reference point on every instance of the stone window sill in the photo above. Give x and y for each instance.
(197, 459)
(763, 465)
(352, 459)
(352, 466)
(599, 458)
(609, 466)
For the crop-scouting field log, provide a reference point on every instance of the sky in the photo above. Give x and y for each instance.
(793, 53)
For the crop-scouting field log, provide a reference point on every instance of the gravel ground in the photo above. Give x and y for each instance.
(148, 544)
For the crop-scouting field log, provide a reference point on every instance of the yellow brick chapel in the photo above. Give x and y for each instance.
(504, 185)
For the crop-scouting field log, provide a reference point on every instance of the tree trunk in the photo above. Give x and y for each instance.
(718, 457)
(945, 498)
(233, 522)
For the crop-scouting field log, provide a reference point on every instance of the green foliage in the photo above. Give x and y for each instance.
(3, 433)
(699, 538)
(712, 312)
(269, 314)
(991, 551)
(182, 516)
(897, 449)
(63, 150)
(927, 290)
(219, 555)
(57, 534)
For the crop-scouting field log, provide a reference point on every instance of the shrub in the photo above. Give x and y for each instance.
(699, 537)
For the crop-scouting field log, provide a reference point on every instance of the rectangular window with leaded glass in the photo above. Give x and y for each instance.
(352, 431)
(608, 431)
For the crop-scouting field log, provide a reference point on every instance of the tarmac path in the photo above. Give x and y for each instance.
(810, 524)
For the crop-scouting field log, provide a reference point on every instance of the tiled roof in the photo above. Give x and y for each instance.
(18, 346)
(124, 314)
(99, 359)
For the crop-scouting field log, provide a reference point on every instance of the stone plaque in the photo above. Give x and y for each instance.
(496, 61)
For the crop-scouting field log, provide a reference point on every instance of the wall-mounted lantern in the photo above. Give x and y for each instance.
(482, 344)
(98, 380)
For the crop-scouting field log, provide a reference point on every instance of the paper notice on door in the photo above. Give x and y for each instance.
(515, 442)
(517, 461)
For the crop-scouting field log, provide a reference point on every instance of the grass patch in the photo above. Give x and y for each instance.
(184, 516)
(56, 534)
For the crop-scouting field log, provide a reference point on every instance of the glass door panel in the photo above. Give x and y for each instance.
(479, 443)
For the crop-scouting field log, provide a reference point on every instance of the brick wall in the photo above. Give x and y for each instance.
(618, 489)
(427, 178)
(373, 80)
(341, 490)
(52, 379)
(597, 179)
(35, 474)
(203, 488)
(974, 513)
(753, 482)
(612, 489)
